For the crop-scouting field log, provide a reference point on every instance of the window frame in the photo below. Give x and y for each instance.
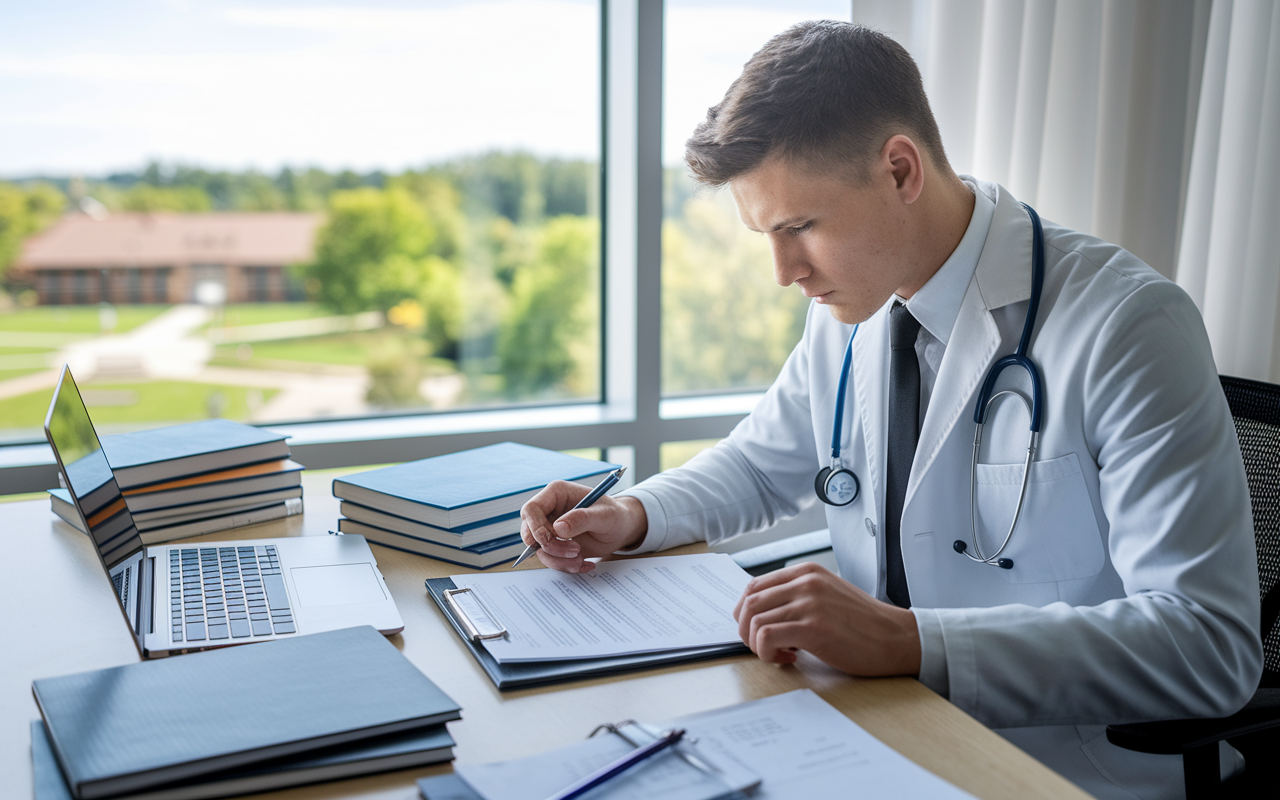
(631, 420)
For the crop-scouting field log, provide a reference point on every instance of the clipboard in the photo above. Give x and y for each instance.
(524, 675)
(729, 779)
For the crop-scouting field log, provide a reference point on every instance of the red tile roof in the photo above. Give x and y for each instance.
(166, 239)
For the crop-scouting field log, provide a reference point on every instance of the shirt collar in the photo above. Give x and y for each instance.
(937, 304)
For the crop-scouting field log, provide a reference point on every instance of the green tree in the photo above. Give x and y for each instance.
(145, 197)
(23, 212)
(725, 322)
(548, 341)
(377, 249)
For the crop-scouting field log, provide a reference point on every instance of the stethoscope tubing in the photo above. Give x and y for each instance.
(985, 398)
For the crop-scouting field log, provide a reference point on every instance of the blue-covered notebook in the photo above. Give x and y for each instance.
(458, 489)
(140, 726)
(159, 454)
(416, 748)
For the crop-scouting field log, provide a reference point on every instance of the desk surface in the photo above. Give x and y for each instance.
(60, 618)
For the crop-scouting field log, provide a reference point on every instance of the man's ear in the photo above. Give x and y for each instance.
(902, 160)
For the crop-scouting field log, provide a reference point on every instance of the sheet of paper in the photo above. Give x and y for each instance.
(795, 743)
(801, 746)
(636, 606)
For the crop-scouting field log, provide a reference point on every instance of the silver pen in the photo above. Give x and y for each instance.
(592, 496)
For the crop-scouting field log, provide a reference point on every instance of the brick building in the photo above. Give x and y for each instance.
(168, 258)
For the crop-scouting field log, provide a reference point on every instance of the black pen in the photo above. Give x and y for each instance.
(594, 495)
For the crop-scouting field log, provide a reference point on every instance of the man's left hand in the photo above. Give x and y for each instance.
(806, 607)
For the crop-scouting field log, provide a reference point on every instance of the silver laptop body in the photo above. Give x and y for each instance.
(182, 597)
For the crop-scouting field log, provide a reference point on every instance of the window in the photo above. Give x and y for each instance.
(359, 209)
(726, 325)
(614, 401)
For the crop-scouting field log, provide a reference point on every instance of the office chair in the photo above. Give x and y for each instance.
(1255, 729)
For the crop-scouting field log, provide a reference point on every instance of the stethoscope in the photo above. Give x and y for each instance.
(838, 486)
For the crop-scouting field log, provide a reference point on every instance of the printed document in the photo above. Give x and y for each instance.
(795, 744)
(642, 605)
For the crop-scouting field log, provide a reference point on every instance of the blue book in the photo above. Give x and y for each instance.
(141, 726)
(459, 489)
(479, 556)
(142, 457)
(468, 535)
(414, 748)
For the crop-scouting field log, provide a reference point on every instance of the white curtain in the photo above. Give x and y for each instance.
(1154, 124)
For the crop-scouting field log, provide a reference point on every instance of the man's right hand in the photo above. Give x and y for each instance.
(568, 537)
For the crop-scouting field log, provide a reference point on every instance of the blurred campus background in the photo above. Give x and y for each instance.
(288, 212)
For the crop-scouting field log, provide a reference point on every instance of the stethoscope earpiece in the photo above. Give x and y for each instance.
(962, 548)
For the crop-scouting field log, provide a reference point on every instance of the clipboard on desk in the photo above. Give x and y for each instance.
(543, 673)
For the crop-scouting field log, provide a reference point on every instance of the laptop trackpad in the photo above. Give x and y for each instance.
(337, 585)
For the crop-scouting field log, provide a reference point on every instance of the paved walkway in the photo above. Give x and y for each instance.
(165, 348)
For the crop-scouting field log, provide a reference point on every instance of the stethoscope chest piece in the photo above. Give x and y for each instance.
(836, 487)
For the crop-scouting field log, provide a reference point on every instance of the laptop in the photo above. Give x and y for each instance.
(180, 598)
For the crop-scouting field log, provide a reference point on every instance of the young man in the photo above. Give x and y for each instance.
(1127, 589)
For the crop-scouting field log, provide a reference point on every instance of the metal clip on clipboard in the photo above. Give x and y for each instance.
(475, 618)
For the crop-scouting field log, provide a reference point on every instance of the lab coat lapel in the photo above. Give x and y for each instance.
(870, 370)
(1003, 276)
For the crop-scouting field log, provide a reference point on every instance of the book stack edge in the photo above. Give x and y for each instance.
(200, 477)
(463, 508)
(237, 720)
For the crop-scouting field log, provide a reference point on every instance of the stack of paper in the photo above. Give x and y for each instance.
(786, 746)
(237, 720)
(197, 478)
(464, 507)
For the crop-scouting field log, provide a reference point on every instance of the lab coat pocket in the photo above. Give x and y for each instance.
(1057, 537)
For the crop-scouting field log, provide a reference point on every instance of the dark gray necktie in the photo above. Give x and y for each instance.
(904, 432)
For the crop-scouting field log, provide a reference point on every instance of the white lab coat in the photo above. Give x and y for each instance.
(1134, 594)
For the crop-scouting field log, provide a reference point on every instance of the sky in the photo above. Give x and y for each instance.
(91, 88)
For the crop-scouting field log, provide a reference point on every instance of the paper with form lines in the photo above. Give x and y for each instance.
(620, 607)
(796, 744)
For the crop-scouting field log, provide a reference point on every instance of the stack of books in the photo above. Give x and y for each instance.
(201, 477)
(237, 720)
(464, 507)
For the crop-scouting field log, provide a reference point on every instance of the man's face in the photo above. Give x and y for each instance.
(840, 242)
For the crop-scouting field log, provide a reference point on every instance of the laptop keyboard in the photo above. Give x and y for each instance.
(121, 581)
(226, 593)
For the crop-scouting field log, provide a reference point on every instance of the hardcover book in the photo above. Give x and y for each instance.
(465, 536)
(159, 454)
(479, 556)
(458, 489)
(141, 726)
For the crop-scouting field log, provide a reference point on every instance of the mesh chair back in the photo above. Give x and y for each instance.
(1255, 407)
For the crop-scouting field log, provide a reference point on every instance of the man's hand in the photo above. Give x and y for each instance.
(568, 537)
(806, 607)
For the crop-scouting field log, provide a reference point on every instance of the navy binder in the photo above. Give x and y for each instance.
(542, 673)
(416, 748)
(131, 728)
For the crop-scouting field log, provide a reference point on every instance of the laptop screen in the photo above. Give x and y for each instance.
(94, 491)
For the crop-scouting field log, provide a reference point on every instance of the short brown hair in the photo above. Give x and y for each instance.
(827, 94)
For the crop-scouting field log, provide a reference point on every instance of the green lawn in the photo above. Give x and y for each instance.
(352, 349)
(6, 374)
(262, 313)
(158, 402)
(74, 319)
(675, 454)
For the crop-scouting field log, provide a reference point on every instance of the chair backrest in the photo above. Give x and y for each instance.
(1255, 407)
